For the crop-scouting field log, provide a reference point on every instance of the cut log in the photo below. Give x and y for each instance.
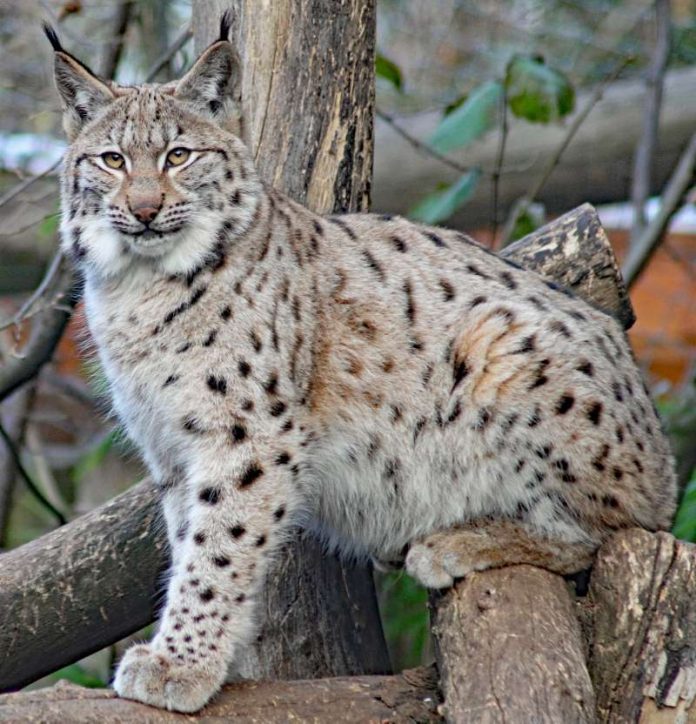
(307, 100)
(98, 574)
(509, 649)
(643, 657)
(409, 697)
(574, 251)
(596, 166)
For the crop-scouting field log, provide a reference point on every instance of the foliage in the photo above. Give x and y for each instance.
(390, 71)
(442, 203)
(685, 522)
(77, 674)
(537, 92)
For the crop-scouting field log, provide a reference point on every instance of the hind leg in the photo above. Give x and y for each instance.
(437, 560)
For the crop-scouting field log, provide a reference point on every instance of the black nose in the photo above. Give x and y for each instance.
(145, 214)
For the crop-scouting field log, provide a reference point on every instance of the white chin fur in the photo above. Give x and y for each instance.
(110, 253)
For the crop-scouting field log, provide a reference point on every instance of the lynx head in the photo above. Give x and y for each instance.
(156, 175)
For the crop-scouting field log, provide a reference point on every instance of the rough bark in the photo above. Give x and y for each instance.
(409, 697)
(596, 166)
(307, 100)
(509, 648)
(643, 659)
(80, 588)
(98, 574)
(574, 251)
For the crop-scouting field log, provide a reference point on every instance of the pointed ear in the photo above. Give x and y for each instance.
(83, 94)
(213, 86)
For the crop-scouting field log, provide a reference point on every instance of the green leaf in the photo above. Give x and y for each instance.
(536, 92)
(78, 675)
(469, 120)
(440, 205)
(387, 69)
(685, 522)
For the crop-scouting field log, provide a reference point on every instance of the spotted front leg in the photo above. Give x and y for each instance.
(239, 508)
(439, 559)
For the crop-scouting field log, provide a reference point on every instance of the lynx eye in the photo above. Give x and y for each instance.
(176, 157)
(113, 160)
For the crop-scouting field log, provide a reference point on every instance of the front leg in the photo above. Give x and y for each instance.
(240, 504)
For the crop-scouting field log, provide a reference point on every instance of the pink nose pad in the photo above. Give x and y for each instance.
(145, 214)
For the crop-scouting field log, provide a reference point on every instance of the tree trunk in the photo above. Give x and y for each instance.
(307, 101)
(596, 166)
(643, 661)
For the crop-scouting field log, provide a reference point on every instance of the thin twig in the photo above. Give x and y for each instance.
(555, 157)
(645, 150)
(420, 146)
(673, 196)
(168, 54)
(499, 164)
(24, 311)
(113, 53)
(30, 181)
(27, 478)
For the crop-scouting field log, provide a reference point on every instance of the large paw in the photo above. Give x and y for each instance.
(155, 678)
(434, 566)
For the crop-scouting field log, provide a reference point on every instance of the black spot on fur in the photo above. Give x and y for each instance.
(374, 265)
(260, 541)
(476, 271)
(207, 595)
(283, 459)
(594, 413)
(410, 306)
(477, 300)
(437, 240)
(399, 244)
(343, 226)
(210, 495)
(507, 279)
(199, 538)
(528, 344)
(226, 312)
(170, 380)
(210, 339)
(221, 561)
(461, 370)
(586, 368)
(244, 368)
(190, 424)
(217, 384)
(255, 341)
(279, 513)
(277, 408)
(564, 404)
(250, 475)
(558, 326)
(447, 290)
(237, 531)
(238, 433)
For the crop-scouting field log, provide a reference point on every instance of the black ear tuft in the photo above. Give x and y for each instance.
(52, 38)
(225, 25)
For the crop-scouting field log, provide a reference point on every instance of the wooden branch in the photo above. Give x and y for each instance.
(643, 657)
(83, 586)
(574, 251)
(409, 697)
(509, 648)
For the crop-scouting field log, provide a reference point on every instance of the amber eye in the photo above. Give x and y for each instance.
(113, 160)
(177, 156)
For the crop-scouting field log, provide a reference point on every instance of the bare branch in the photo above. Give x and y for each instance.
(673, 197)
(419, 145)
(46, 329)
(173, 49)
(499, 164)
(113, 52)
(645, 150)
(528, 198)
(27, 183)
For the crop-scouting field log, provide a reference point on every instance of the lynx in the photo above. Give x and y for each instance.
(396, 388)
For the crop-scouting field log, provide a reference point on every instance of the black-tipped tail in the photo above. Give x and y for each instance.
(52, 38)
(225, 25)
